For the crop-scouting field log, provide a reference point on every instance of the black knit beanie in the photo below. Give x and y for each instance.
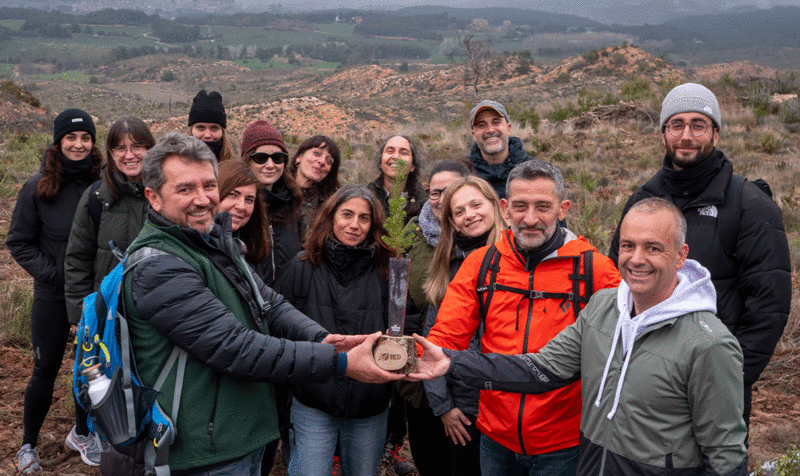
(73, 120)
(207, 107)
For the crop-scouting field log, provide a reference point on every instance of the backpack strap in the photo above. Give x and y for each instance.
(95, 204)
(490, 265)
(577, 277)
(490, 262)
(729, 215)
(156, 456)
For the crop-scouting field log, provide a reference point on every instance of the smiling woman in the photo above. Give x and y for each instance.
(389, 153)
(37, 239)
(264, 151)
(239, 196)
(340, 282)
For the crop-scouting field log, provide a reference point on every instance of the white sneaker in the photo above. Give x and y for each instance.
(86, 446)
(28, 459)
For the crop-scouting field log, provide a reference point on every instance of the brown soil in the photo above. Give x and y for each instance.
(775, 420)
(15, 369)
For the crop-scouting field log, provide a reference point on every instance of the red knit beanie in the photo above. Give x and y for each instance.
(260, 133)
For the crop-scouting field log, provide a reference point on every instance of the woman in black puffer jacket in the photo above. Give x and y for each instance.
(37, 239)
(340, 281)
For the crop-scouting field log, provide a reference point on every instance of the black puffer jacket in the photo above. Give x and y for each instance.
(198, 297)
(496, 174)
(284, 233)
(39, 231)
(754, 287)
(346, 295)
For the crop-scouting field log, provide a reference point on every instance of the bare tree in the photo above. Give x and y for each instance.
(478, 54)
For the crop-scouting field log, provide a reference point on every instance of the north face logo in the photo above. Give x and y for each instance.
(709, 211)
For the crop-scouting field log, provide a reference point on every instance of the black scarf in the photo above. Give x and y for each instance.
(688, 183)
(468, 244)
(76, 169)
(216, 147)
(347, 262)
(534, 257)
(278, 197)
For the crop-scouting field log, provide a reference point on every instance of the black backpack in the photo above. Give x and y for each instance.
(490, 266)
(729, 218)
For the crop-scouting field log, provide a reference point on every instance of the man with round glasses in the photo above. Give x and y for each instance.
(734, 228)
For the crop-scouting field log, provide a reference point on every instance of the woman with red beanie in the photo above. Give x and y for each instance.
(265, 152)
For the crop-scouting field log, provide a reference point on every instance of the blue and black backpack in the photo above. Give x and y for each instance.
(129, 412)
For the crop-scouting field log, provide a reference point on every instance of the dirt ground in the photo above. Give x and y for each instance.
(775, 420)
(15, 370)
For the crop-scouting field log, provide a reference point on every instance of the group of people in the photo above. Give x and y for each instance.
(279, 301)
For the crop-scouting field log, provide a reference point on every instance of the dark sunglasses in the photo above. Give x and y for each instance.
(261, 158)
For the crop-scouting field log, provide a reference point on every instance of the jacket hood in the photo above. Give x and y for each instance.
(694, 293)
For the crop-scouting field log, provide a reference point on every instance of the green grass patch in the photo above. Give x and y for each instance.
(14, 25)
(325, 66)
(15, 313)
(73, 75)
(23, 154)
(337, 28)
(255, 64)
(6, 69)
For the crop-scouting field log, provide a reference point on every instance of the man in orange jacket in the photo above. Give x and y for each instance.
(526, 288)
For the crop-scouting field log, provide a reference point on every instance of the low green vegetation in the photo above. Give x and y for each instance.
(15, 312)
(787, 465)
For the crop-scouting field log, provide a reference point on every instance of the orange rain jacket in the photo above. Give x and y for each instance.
(516, 324)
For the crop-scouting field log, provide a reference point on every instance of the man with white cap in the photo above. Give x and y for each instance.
(494, 152)
(734, 228)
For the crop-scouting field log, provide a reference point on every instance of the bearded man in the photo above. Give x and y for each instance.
(734, 228)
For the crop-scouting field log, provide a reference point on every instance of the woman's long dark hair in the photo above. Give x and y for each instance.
(140, 134)
(327, 186)
(322, 229)
(234, 174)
(53, 172)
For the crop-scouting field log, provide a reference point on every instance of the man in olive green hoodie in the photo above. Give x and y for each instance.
(661, 376)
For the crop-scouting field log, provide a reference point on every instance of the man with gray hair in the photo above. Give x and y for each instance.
(494, 152)
(525, 289)
(661, 376)
(191, 289)
(734, 228)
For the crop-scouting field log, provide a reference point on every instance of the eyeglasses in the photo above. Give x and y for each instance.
(435, 193)
(698, 128)
(135, 149)
(261, 158)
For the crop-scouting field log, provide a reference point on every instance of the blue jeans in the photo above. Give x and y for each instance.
(497, 460)
(315, 433)
(248, 465)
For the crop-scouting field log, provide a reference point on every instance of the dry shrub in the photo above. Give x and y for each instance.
(15, 312)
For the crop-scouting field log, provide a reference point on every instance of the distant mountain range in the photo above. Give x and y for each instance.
(622, 12)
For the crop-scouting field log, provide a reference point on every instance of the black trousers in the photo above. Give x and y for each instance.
(49, 334)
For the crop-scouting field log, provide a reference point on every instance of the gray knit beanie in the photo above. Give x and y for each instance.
(690, 97)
